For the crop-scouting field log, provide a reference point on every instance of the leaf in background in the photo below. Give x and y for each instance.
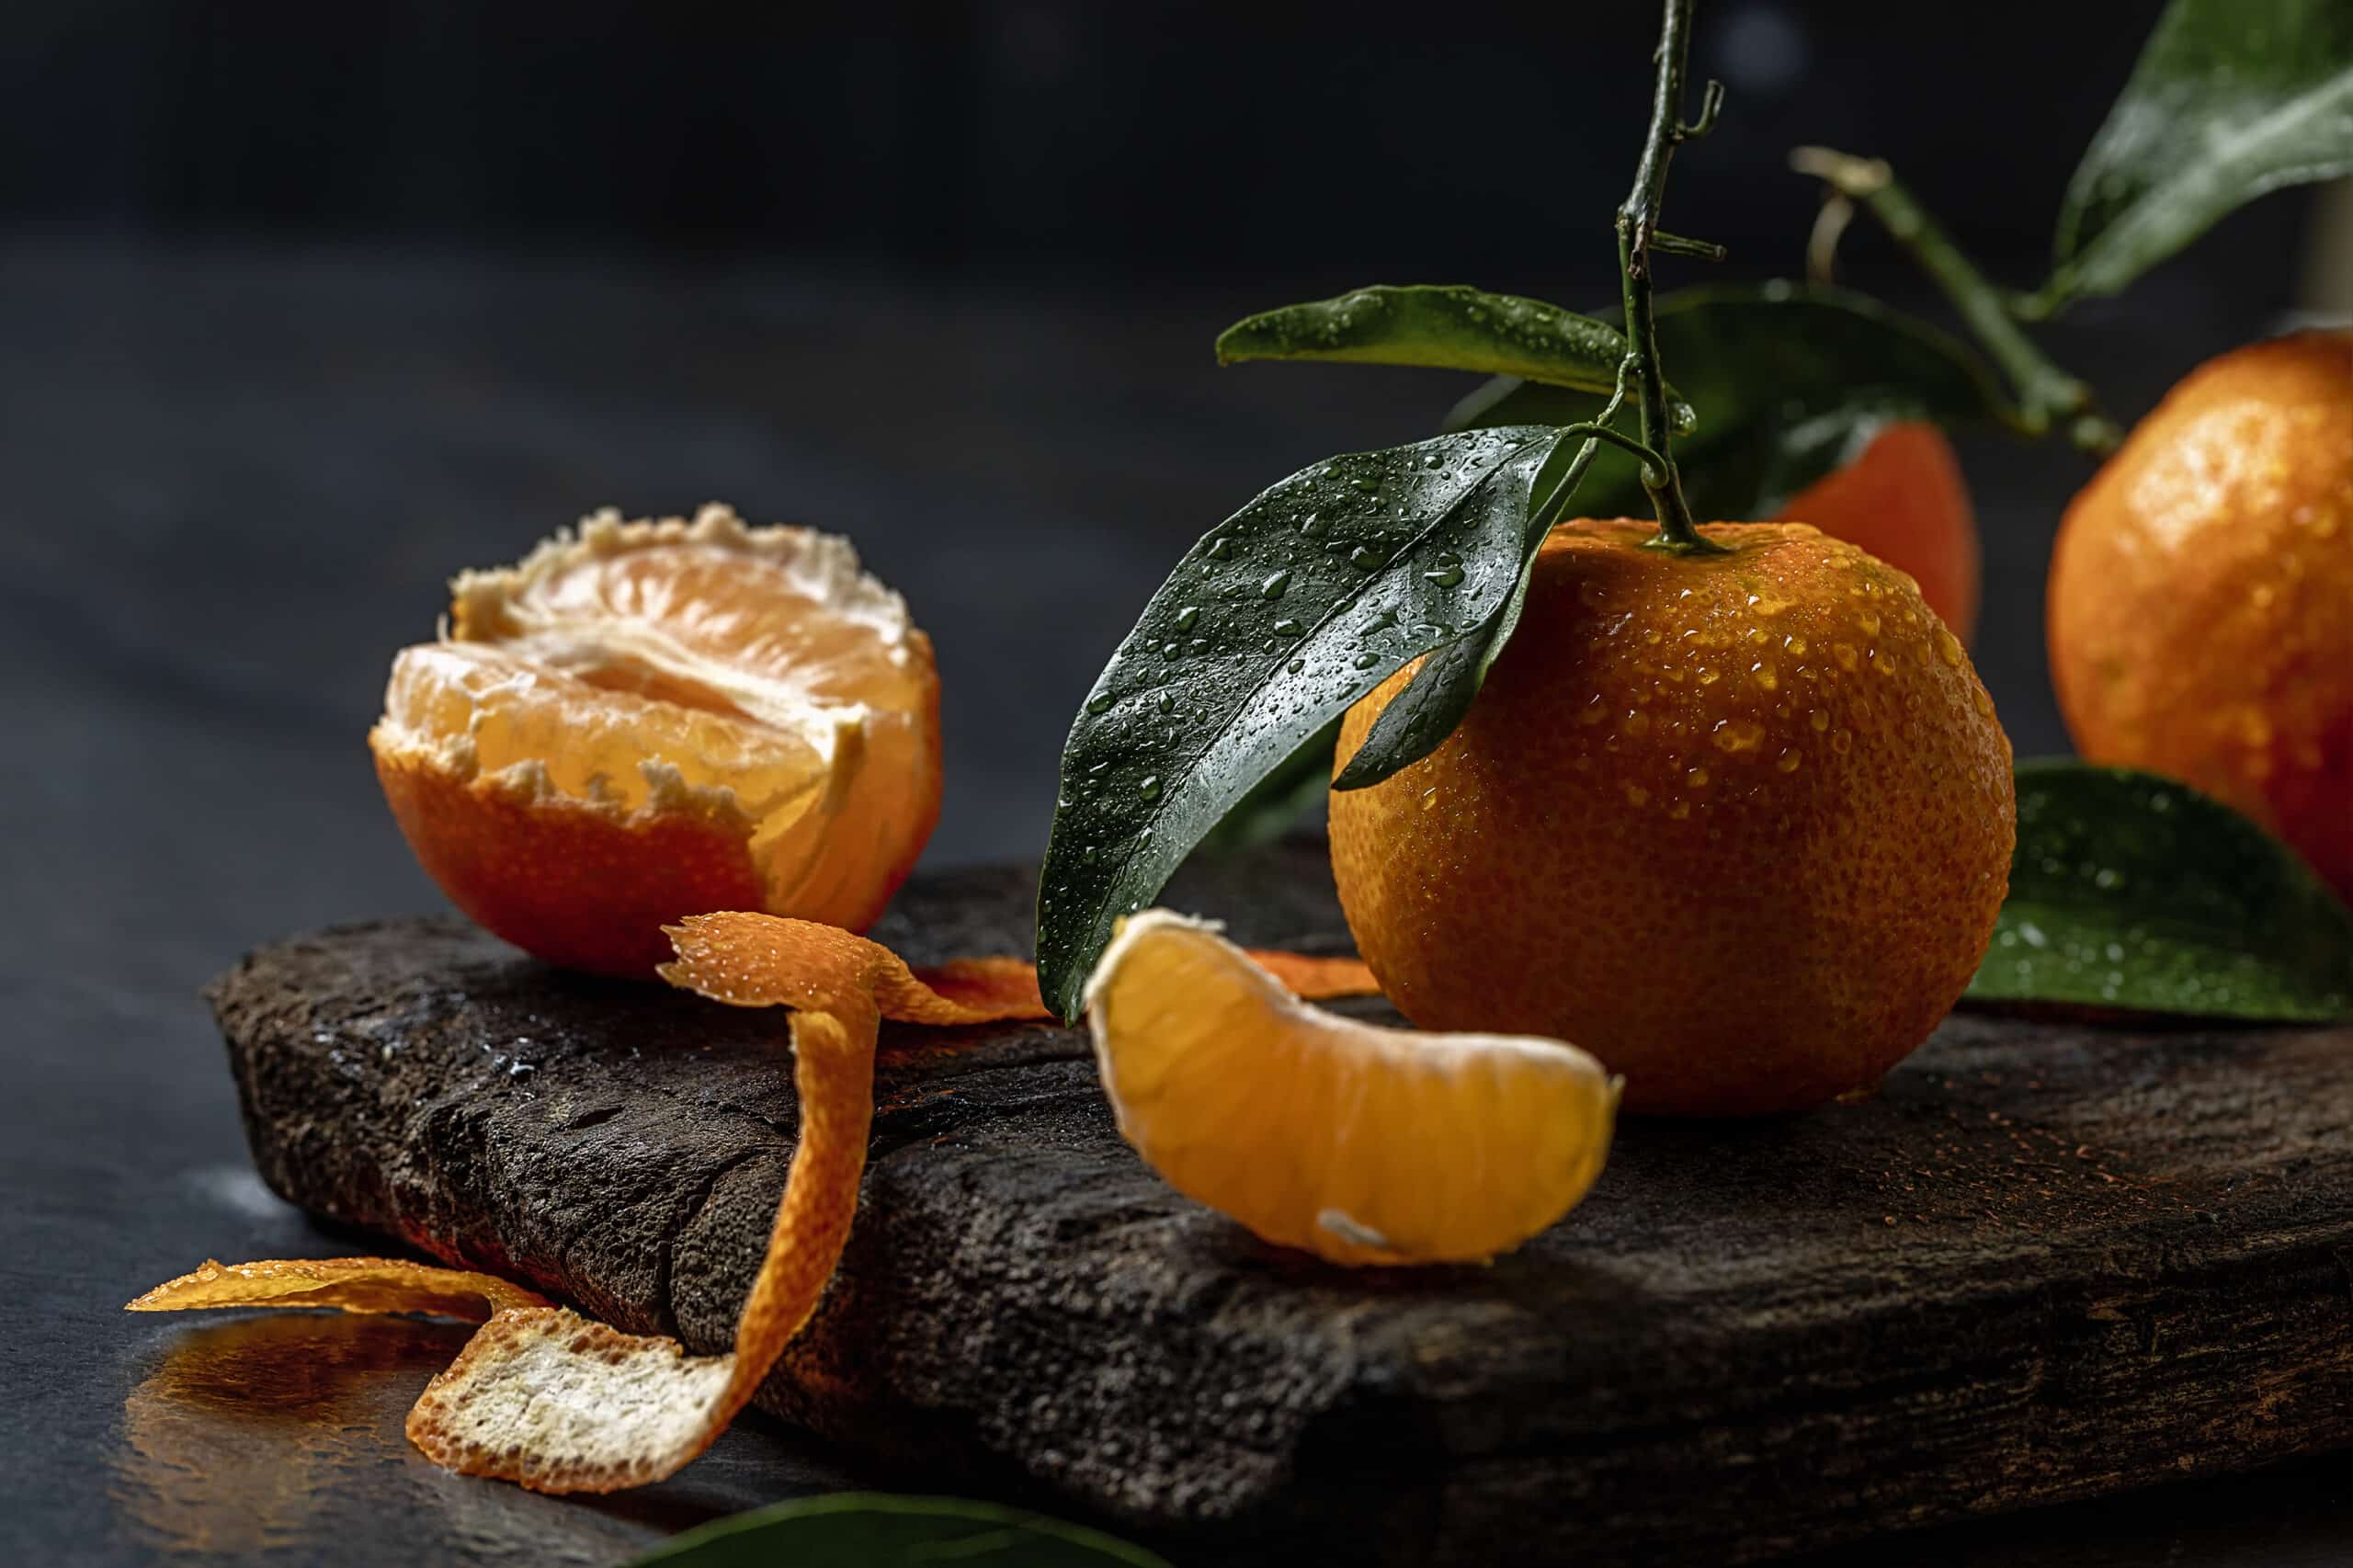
(870, 1529)
(1789, 382)
(2232, 98)
(1444, 326)
(1277, 620)
(2133, 890)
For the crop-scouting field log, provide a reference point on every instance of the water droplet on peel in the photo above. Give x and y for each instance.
(1188, 617)
(1948, 647)
(1819, 720)
(1099, 703)
(1444, 576)
(1167, 704)
(1788, 761)
(1429, 799)
(1287, 627)
(1274, 583)
(1696, 777)
(1216, 550)
(1311, 524)
(1738, 735)
(1296, 665)
(1365, 558)
(1149, 789)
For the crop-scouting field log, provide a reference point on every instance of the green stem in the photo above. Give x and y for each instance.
(1637, 235)
(2048, 398)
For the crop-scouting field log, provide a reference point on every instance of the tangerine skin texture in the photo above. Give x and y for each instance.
(1903, 500)
(574, 885)
(2202, 593)
(1738, 826)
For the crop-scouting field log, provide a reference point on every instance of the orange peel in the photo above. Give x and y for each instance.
(555, 1401)
(372, 1285)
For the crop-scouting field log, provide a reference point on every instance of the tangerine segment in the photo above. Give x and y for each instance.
(656, 719)
(1359, 1143)
(354, 1284)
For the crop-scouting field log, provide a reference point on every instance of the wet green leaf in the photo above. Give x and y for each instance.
(1277, 802)
(1271, 626)
(1444, 326)
(2232, 98)
(1419, 718)
(1789, 382)
(870, 1530)
(2133, 890)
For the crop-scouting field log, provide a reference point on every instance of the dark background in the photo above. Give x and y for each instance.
(305, 306)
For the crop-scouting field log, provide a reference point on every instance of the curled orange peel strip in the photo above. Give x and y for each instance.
(557, 1403)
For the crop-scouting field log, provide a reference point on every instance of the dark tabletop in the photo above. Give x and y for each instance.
(232, 483)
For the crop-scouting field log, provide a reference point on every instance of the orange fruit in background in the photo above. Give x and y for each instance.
(653, 719)
(1359, 1143)
(1737, 824)
(1903, 499)
(2202, 593)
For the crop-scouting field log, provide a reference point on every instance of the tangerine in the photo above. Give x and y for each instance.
(653, 719)
(1738, 824)
(2202, 593)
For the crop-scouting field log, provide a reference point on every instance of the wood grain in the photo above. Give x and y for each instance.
(2049, 1260)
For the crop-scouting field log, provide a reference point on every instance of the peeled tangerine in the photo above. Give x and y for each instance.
(652, 719)
(1359, 1143)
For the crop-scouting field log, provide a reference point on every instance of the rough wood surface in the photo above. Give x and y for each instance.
(2047, 1260)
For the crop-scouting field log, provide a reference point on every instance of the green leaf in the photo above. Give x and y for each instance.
(2133, 890)
(1278, 801)
(1789, 382)
(1278, 619)
(1419, 718)
(2232, 98)
(1445, 326)
(870, 1530)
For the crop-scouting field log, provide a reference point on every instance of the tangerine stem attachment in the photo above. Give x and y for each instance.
(1637, 236)
(2048, 398)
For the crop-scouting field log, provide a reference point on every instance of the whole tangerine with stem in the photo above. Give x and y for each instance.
(1903, 498)
(647, 721)
(1736, 823)
(2202, 593)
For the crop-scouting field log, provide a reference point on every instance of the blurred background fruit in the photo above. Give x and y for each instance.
(1903, 499)
(2202, 593)
(1736, 825)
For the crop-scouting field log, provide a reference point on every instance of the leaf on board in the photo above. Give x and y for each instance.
(1271, 626)
(1789, 382)
(2231, 99)
(870, 1530)
(1446, 326)
(2133, 890)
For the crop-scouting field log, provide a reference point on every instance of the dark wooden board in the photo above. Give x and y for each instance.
(2049, 1260)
